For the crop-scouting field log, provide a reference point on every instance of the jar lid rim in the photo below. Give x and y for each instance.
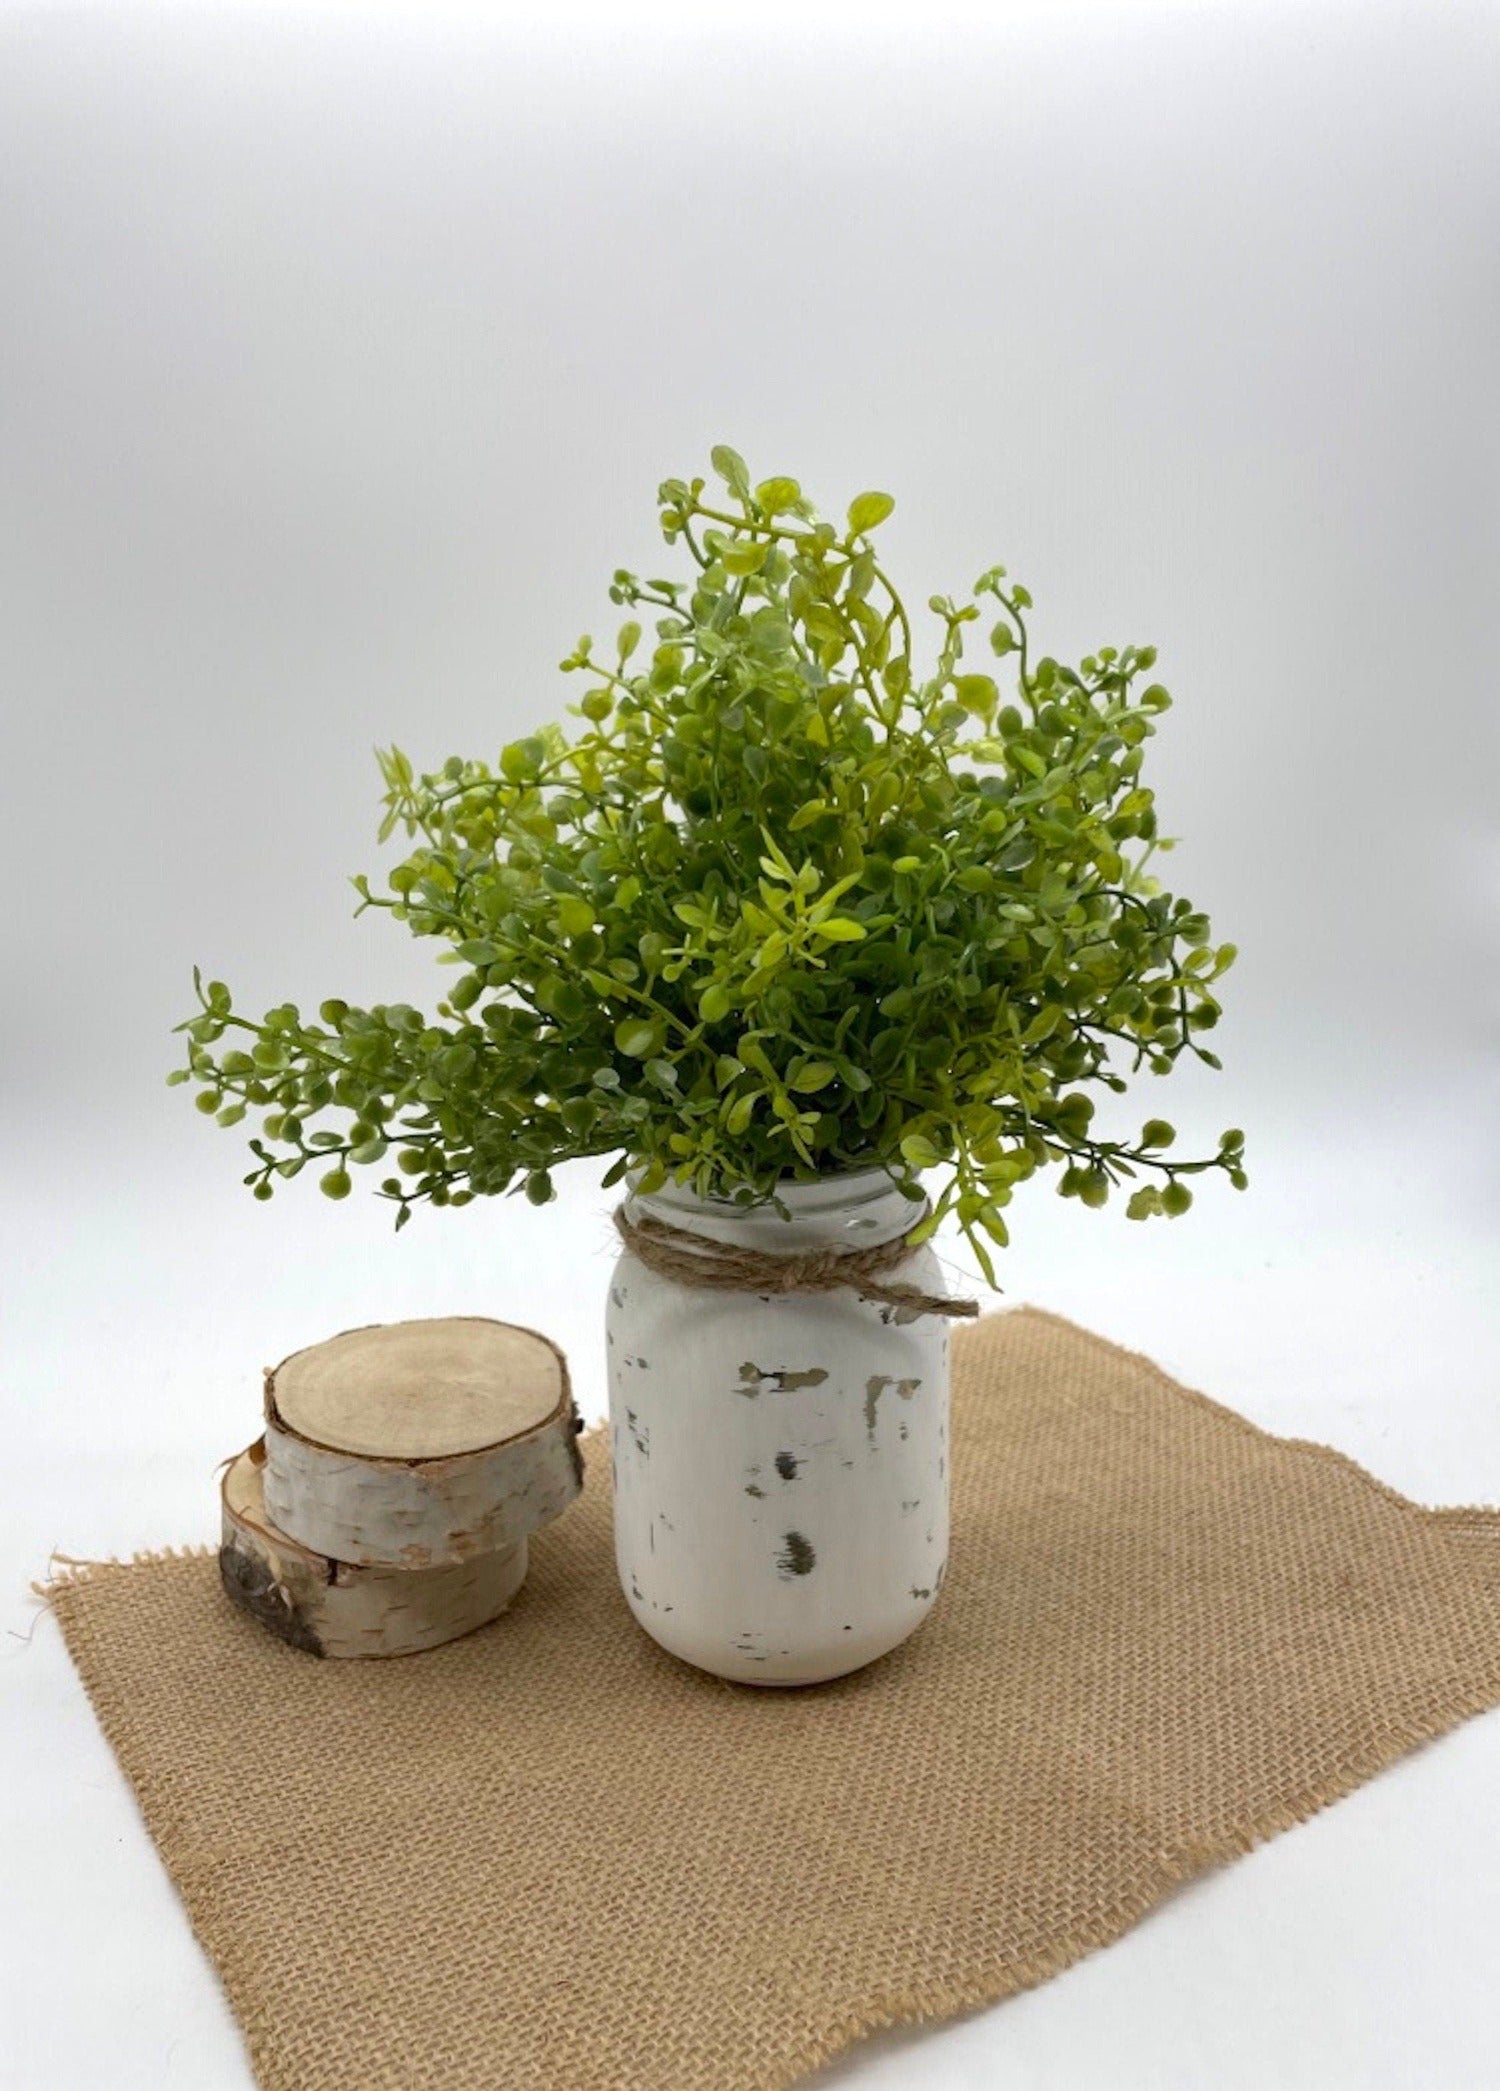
(800, 1195)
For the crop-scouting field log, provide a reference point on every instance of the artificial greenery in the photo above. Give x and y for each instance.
(785, 905)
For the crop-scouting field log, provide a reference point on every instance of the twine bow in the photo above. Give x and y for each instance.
(694, 1259)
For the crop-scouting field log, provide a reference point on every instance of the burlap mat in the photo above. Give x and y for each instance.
(551, 1858)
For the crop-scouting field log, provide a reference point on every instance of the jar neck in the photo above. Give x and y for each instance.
(857, 1210)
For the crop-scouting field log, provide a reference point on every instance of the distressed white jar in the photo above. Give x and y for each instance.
(780, 1462)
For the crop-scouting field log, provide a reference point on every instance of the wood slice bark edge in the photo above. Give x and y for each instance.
(339, 1609)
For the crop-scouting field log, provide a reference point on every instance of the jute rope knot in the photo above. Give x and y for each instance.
(695, 1260)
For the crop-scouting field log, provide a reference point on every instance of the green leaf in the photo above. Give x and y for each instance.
(638, 1038)
(977, 694)
(731, 468)
(745, 555)
(754, 1054)
(741, 1111)
(770, 635)
(1157, 1133)
(839, 929)
(982, 1256)
(774, 495)
(336, 1184)
(1176, 1198)
(575, 917)
(715, 1002)
(895, 676)
(868, 512)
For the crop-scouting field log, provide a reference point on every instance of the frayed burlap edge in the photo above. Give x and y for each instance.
(65, 1570)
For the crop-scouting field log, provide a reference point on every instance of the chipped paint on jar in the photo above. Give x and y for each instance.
(780, 1463)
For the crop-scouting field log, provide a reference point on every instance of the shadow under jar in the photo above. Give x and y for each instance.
(780, 1460)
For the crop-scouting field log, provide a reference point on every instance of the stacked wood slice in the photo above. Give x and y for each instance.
(403, 1468)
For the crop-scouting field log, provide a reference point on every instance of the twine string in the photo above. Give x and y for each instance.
(715, 1266)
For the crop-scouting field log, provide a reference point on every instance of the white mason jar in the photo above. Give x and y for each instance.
(780, 1461)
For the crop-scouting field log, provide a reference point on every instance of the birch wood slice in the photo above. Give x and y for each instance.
(415, 1443)
(333, 1608)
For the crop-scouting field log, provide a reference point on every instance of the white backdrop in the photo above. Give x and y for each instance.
(343, 350)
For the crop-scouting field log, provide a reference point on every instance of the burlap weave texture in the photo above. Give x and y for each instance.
(552, 1858)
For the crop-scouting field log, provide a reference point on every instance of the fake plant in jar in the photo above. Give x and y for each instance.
(789, 924)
